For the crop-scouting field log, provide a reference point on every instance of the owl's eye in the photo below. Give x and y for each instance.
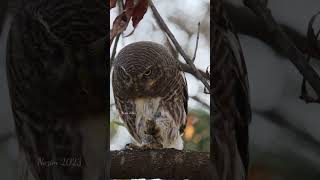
(147, 73)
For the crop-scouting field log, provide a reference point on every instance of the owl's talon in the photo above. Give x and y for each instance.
(152, 146)
(131, 146)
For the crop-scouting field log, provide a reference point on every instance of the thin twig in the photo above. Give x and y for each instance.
(197, 42)
(185, 67)
(114, 51)
(301, 135)
(165, 28)
(196, 98)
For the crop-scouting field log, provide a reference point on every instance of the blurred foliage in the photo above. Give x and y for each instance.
(114, 124)
(197, 132)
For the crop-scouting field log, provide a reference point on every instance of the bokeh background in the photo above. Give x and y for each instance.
(278, 151)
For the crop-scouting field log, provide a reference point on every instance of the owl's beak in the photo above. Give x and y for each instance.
(135, 86)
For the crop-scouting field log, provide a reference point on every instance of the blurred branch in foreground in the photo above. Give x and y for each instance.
(285, 44)
(162, 163)
(247, 23)
(301, 135)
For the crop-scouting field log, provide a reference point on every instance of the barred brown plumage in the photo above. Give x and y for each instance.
(160, 95)
(230, 93)
(56, 77)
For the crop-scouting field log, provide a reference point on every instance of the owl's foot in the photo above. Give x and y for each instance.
(152, 146)
(152, 129)
(132, 146)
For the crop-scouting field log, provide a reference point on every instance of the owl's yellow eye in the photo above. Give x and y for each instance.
(147, 73)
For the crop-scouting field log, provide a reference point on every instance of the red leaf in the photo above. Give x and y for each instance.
(119, 25)
(128, 7)
(113, 3)
(138, 12)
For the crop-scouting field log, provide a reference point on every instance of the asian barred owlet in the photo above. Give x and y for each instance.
(151, 95)
(56, 74)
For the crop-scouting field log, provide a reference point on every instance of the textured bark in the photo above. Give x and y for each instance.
(164, 163)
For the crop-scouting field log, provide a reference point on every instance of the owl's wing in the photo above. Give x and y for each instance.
(127, 112)
(176, 100)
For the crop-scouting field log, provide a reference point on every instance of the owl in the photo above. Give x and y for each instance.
(56, 77)
(150, 94)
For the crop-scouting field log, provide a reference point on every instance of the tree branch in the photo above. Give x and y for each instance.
(188, 69)
(163, 163)
(165, 28)
(114, 51)
(196, 98)
(245, 22)
(285, 44)
(280, 121)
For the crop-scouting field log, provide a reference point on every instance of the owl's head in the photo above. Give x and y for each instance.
(142, 69)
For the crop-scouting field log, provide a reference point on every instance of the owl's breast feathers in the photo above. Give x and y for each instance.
(152, 114)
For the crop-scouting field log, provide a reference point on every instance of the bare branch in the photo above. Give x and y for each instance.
(162, 163)
(185, 67)
(188, 69)
(196, 98)
(197, 42)
(114, 51)
(165, 28)
(280, 121)
(285, 44)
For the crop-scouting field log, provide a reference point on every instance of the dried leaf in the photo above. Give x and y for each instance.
(113, 3)
(128, 7)
(119, 25)
(138, 12)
